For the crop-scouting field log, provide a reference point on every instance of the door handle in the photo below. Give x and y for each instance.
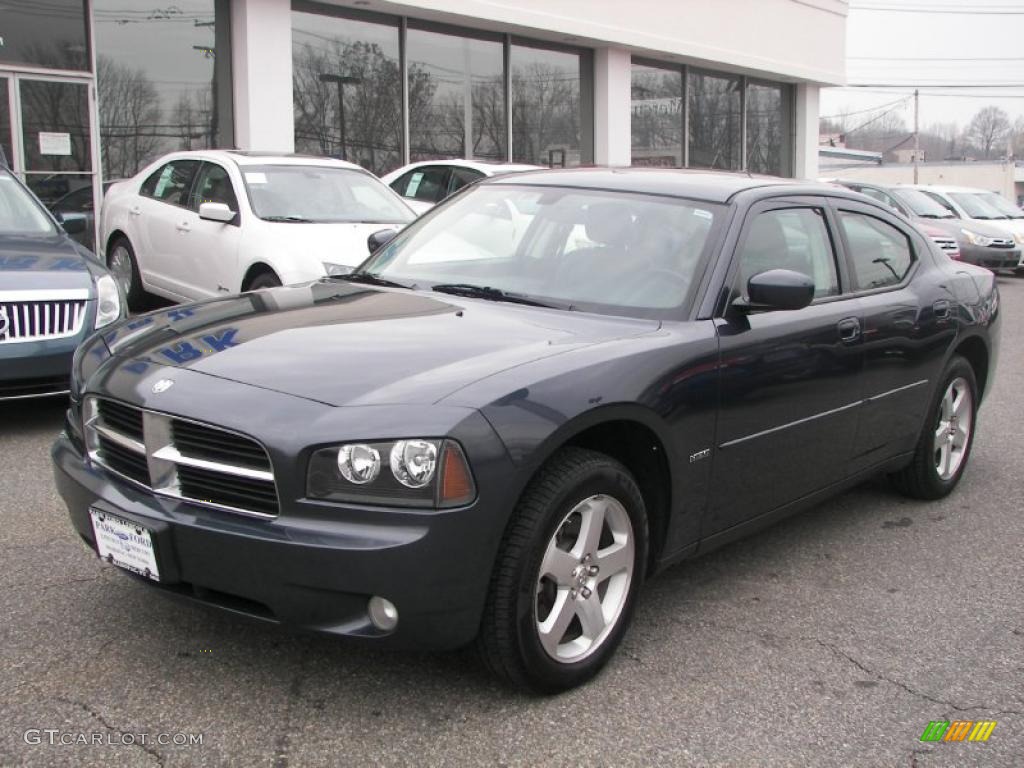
(941, 308)
(849, 329)
(184, 227)
(135, 210)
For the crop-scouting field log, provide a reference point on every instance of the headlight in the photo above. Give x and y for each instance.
(359, 464)
(413, 462)
(335, 269)
(108, 301)
(419, 473)
(975, 239)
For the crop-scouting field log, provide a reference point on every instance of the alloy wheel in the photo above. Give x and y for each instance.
(121, 266)
(584, 579)
(953, 430)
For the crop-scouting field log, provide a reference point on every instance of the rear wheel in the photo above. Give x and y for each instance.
(945, 444)
(263, 280)
(122, 264)
(566, 579)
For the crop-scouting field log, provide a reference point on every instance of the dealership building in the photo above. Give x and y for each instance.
(92, 91)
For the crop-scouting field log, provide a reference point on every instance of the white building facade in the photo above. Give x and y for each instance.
(92, 90)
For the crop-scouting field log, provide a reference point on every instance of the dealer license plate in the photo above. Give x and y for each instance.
(124, 544)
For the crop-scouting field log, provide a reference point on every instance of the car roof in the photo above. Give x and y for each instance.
(947, 188)
(244, 158)
(486, 167)
(714, 186)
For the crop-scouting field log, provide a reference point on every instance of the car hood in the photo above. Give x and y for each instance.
(334, 243)
(42, 263)
(345, 344)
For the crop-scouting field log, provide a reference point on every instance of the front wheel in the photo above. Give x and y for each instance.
(945, 443)
(122, 264)
(264, 280)
(567, 575)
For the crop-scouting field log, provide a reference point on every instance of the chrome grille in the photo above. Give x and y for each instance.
(1002, 242)
(946, 243)
(180, 458)
(40, 315)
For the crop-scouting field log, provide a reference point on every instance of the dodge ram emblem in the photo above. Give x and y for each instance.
(162, 386)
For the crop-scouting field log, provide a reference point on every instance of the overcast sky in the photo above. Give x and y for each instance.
(940, 42)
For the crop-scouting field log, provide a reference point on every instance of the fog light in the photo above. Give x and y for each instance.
(383, 613)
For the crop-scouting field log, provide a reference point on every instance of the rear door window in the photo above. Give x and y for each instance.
(880, 254)
(171, 183)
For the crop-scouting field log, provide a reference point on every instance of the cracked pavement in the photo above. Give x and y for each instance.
(830, 639)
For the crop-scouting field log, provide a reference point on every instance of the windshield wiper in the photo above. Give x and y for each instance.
(936, 216)
(296, 219)
(370, 279)
(493, 294)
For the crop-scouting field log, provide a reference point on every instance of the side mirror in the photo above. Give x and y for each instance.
(777, 289)
(380, 238)
(72, 224)
(216, 212)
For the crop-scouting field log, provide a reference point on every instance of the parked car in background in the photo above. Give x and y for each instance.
(78, 204)
(53, 294)
(976, 207)
(502, 448)
(204, 223)
(426, 183)
(975, 242)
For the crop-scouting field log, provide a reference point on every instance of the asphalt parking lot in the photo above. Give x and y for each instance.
(832, 638)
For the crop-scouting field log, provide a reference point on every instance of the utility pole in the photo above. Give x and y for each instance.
(917, 142)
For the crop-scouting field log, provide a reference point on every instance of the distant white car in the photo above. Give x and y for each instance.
(205, 223)
(426, 183)
(980, 205)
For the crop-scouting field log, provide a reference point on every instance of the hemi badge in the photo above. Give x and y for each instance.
(700, 455)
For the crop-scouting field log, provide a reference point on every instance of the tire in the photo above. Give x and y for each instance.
(587, 612)
(125, 268)
(264, 280)
(927, 477)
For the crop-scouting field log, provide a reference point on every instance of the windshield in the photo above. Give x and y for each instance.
(922, 205)
(20, 214)
(975, 207)
(1002, 205)
(611, 252)
(321, 194)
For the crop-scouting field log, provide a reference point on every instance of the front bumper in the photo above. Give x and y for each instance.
(37, 368)
(316, 565)
(991, 258)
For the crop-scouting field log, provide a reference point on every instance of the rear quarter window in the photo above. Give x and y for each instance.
(880, 254)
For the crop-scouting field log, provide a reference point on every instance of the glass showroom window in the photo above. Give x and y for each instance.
(164, 80)
(769, 128)
(716, 138)
(51, 34)
(347, 88)
(552, 106)
(456, 96)
(657, 116)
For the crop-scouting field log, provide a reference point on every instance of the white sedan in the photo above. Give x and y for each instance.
(204, 223)
(426, 183)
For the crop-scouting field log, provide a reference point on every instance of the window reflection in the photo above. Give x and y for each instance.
(347, 90)
(456, 85)
(163, 77)
(715, 121)
(768, 129)
(657, 117)
(6, 158)
(48, 34)
(547, 107)
(55, 126)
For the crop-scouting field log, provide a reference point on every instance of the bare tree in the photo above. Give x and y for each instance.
(129, 113)
(1018, 138)
(988, 130)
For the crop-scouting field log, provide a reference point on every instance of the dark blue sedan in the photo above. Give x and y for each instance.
(53, 294)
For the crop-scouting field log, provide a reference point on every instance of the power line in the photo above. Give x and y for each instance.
(934, 58)
(863, 111)
(991, 11)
